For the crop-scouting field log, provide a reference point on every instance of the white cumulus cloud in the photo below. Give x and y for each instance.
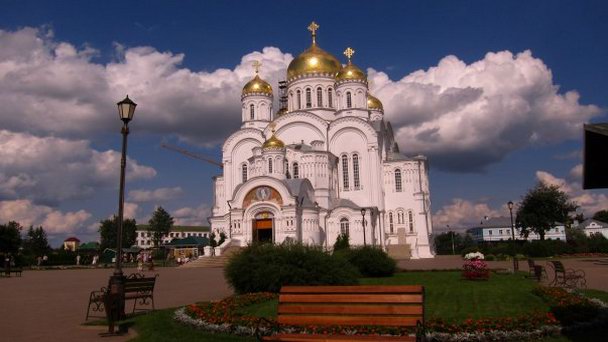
(52, 169)
(468, 116)
(463, 213)
(156, 195)
(53, 221)
(192, 216)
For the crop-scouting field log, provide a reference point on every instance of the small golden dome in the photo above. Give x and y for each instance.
(373, 103)
(273, 143)
(314, 60)
(257, 86)
(351, 72)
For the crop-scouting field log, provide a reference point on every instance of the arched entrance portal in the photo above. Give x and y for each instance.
(263, 225)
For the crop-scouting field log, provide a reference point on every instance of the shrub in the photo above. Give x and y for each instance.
(370, 261)
(342, 242)
(490, 257)
(267, 267)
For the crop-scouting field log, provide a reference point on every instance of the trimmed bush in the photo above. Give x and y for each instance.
(267, 267)
(342, 242)
(370, 261)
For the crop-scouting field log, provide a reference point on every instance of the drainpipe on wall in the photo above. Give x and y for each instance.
(229, 220)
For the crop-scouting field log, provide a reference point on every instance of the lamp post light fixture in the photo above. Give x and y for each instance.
(515, 263)
(363, 223)
(115, 298)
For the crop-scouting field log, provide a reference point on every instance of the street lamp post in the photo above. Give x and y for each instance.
(363, 223)
(515, 263)
(115, 299)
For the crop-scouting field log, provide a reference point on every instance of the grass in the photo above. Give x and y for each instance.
(450, 297)
(159, 326)
(601, 295)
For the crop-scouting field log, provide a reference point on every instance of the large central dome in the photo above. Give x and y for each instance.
(314, 60)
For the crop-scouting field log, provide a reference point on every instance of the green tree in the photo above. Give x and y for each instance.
(10, 237)
(444, 242)
(342, 242)
(542, 207)
(108, 230)
(36, 242)
(601, 215)
(160, 225)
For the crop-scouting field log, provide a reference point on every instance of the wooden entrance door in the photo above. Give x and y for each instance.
(262, 229)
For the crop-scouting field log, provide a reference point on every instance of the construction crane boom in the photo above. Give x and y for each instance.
(191, 154)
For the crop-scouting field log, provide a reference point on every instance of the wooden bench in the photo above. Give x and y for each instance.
(138, 288)
(567, 277)
(14, 270)
(367, 305)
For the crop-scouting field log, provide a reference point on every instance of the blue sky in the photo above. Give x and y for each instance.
(395, 38)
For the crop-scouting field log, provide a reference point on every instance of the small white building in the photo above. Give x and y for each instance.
(499, 229)
(144, 237)
(591, 226)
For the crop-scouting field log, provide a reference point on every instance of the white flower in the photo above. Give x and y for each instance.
(474, 255)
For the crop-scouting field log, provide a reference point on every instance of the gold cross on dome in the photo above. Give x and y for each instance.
(256, 66)
(313, 27)
(349, 52)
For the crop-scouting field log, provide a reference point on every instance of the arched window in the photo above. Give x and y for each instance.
(400, 217)
(299, 98)
(410, 217)
(330, 98)
(244, 172)
(391, 227)
(251, 111)
(269, 165)
(319, 97)
(398, 185)
(296, 170)
(349, 100)
(308, 98)
(345, 172)
(356, 181)
(344, 226)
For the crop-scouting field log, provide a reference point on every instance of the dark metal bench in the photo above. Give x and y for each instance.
(7, 271)
(536, 271)
(381, 305)
(138, 288)
(567, 277)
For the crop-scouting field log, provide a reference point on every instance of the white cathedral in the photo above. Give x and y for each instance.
(325, 163)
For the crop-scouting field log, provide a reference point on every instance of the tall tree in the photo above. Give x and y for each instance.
(542, 207)
(160, 225)
(10, 237)
(601, 215)
(36, 242)
(108, 230)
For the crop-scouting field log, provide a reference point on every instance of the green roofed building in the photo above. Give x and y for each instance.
(143, 237)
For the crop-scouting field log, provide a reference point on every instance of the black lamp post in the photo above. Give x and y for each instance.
(515, 264)
(363, 223)
(115, 298)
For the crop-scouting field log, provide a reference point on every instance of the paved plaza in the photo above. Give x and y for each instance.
(51, 305)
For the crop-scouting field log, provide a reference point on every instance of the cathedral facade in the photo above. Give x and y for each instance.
(326, 163)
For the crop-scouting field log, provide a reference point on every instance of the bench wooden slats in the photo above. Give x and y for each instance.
(350, 289)
(392, 321)
(350, 298)
(368, 305)
(351, 309)
(334, 338)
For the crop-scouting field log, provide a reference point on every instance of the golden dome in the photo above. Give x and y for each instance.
(373, 103)
(314, 60)
(273, 142)
(351, 72)
(257, 86)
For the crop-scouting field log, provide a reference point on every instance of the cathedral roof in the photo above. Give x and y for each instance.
(313, 60)
(257, 86)
(373, 103)
(273, 142)
(351, 72)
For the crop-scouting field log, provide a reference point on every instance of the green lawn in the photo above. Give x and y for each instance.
(159, 326)
(450, 297)
(601, 295)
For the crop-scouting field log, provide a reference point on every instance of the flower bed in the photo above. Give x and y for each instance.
(569, 308)
(475, 268)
